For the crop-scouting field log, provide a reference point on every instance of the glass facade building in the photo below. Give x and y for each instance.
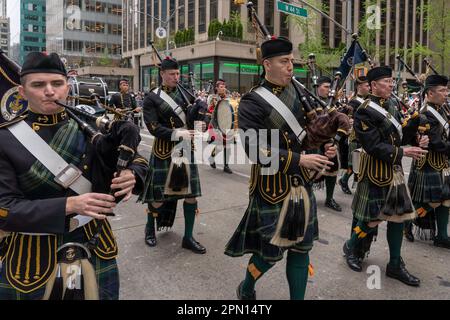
(32, 27)
(85, 32)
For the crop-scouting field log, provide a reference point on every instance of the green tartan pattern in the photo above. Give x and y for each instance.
(66, 143)
(257, 227)
(156, 179)
(425, 185)
(107, 275)
(368, 200)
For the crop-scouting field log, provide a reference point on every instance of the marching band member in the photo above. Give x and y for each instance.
(323, 89)
(429, 180)
(362, 91)
(42, 210)
(168, 118)
(220, 91)
(377, 127)
(125, 101)
(272, 194)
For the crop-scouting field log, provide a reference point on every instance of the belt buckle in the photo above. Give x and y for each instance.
(68, 176)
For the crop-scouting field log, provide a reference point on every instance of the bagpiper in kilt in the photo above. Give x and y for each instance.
(362, 91)
(171, 177)
(323, 89)
(429, 181)
(378, 127)
(272, 193)
(41, 215)
(125, 102)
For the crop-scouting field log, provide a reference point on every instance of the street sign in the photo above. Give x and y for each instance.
(161, 33)
(291, 9)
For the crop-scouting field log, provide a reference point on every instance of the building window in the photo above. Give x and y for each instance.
(201, 16)
(191, 13)
(213, 10)
(155, 14)
(172, 20)
(181, 15)
(326, 23)
(269, 12)
(338, 18)
(89, 5)
(142, 24)
(284, 25)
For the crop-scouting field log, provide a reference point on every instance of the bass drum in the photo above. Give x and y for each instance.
(81, 90)
(225, 116)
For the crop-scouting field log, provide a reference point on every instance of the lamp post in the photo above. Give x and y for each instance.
(164, 23)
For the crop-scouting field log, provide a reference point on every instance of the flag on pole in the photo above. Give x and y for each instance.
(12, 104)
(352, 57)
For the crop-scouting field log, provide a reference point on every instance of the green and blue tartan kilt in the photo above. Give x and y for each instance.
(352, 146)
(257, 228)
(368, 201)
(107, 275)
(425, 185)
(155, 181)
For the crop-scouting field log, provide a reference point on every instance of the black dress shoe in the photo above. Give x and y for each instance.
(213, 165)
(193, 245)
(241, 296)
(150, 237)
(353, 261)
(333, 205)
(400, 273)
(344, 187)
(227, 169)
(444, 243)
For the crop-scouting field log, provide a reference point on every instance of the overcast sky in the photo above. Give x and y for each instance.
(13, 9)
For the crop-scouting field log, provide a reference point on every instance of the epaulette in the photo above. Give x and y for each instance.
(15, 120)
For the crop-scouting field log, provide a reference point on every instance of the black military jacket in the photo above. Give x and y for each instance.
(123, 101)
(256, 114)
(380, 139)
(439, 142)
(161, 120)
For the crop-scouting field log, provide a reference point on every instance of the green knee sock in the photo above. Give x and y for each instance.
(152, 213)
(442, 222)
(297, 274)
(354, 224)
(255, 269)
(394, 238)
(330, 183)
(358, 233)
(189, 218)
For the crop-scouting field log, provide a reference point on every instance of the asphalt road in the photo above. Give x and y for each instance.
(168, 271)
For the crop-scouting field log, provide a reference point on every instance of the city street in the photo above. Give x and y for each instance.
(169, 272)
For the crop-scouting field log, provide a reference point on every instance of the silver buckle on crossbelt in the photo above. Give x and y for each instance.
(68, 176)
